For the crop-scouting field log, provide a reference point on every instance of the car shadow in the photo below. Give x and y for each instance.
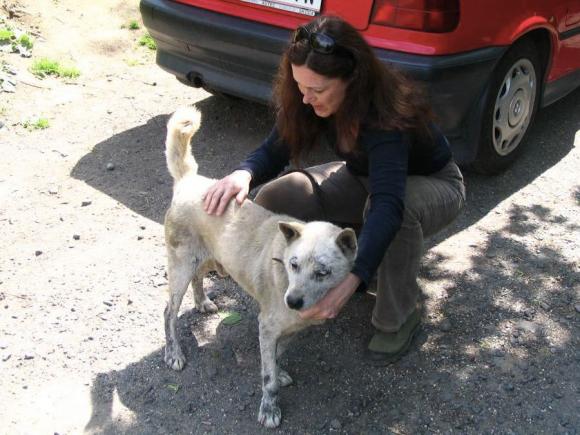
(130, 166)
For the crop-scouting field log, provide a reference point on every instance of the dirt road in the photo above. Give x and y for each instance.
(82, 270)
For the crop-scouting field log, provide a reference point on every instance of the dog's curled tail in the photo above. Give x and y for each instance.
(181, 127)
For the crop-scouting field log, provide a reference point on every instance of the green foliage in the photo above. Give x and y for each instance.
(231, 318)
(39, 124)
(6, 35)
(133, 25)
(26, 41)
(148, 41)
(45, 67)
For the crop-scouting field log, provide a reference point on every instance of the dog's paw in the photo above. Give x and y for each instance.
(207, 306)
(270, 415)
(175, 359)
(284, 378)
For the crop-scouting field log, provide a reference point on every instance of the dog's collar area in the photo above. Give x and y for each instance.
(277, 260)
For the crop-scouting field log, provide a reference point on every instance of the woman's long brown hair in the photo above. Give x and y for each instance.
(377, 95)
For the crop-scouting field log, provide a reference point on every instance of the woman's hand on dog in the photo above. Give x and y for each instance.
(218, 196)
(330, 305)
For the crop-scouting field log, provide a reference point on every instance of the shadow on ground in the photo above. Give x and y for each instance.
(507, 362)
(230, 129)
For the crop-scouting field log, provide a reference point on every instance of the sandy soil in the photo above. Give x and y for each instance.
(82, 270)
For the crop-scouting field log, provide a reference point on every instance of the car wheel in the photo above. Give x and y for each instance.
(512, 102)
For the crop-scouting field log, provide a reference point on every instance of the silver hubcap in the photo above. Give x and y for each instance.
(513, 106)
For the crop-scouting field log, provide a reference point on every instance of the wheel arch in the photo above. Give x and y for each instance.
(545, 42)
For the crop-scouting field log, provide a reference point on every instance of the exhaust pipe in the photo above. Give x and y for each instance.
(195, 79)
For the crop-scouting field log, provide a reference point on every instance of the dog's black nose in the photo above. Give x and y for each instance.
(294, 303)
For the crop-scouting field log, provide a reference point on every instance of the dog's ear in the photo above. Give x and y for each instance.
(291, 230)
(346, 241)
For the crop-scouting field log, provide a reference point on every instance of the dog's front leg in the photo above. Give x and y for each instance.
(270, 413)
(283, 377)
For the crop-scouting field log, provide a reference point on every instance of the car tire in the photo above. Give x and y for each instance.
(511, 104)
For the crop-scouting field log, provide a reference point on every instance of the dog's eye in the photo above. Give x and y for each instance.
(294, 264)
(319, 274)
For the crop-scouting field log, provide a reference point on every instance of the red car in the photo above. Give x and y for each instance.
(488, 64)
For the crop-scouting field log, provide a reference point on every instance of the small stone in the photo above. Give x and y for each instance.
(85, 203)
(508, 387)
(211, 372)
(545, 306)
(37, 253)
(110, 167)
(28, 357)
(107, 303)
(335, 424)
(527, 326)
(524, 365)
(476, 409)
(139, 237)
(499, 353)
(577, 308)
(76, 237)
(445, 325)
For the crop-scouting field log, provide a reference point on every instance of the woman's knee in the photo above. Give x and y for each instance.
(291, 194)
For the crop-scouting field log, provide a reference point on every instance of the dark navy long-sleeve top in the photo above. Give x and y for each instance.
(386, 158)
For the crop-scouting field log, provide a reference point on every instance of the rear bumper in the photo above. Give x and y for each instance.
(240, 57)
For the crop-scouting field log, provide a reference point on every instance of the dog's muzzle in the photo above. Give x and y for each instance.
(294, 302)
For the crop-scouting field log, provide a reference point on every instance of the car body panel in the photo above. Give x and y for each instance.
(234, 47)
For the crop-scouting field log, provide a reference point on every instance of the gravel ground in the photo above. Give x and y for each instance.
(82, 273)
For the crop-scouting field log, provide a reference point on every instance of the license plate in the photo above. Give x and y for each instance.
(304, 7)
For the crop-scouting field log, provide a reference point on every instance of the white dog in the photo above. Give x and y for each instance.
(286, 265)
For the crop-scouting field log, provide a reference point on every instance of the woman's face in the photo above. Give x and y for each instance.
(324, 94)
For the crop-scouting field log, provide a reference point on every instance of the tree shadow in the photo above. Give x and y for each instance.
(506, 362)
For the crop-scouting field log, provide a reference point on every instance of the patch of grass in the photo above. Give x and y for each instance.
(133, 62)
(6, 35)
(39, 124)
(46, 67)
(134, 25)
(148, 41)
(26, 41)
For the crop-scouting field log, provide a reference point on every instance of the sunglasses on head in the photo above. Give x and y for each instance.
(319, 42)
